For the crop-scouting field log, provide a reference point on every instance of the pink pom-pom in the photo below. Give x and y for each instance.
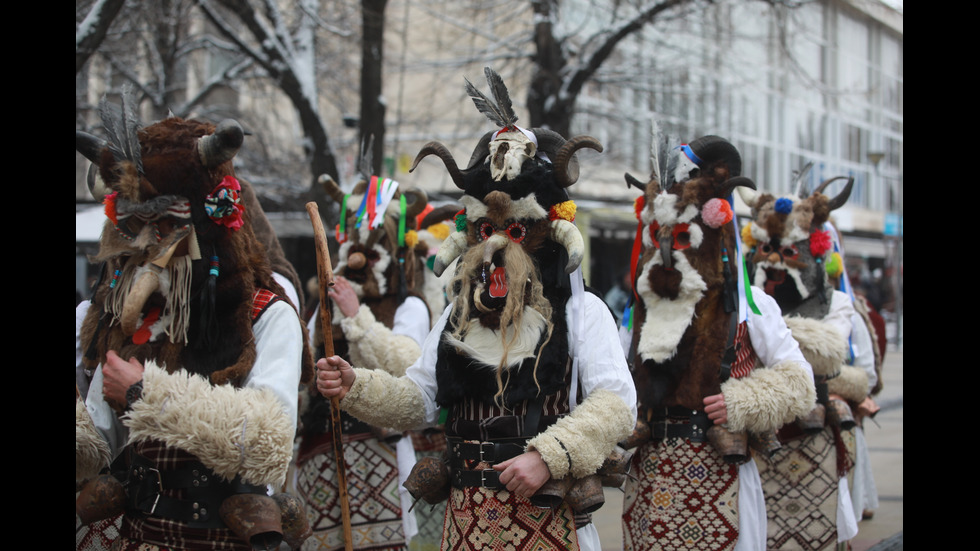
(716, 213)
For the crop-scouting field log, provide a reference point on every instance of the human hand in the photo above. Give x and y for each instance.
(342, 293)
(334, 377)
(118, 375)
(525, 474)
(716, 408)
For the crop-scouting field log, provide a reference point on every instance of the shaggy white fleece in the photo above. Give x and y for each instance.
(851, 383)
(822, 345)
(585, 436)
(377, 398)
(667, 320)
(374, 346)
(768, 398)
(91, 451)
(485, 345)
(232, 431)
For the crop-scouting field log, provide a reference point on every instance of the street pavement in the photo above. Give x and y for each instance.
(885, 440)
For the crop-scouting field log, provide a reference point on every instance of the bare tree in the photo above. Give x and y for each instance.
(92, 29)
(286, 53)
(564, 63)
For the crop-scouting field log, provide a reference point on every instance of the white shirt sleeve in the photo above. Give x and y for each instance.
(602, 364)
(412, 320)
(423, 371)
(278, 355)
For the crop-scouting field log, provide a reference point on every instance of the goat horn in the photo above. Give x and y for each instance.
(451, 248)
(841, 198)
(566, 172)
(332, 189)
(222, 145)
(633, 182)
(441, 151)
(89, 145)
(567, 235)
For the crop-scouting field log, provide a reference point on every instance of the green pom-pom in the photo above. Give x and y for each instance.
(461, 222)
(834, 265)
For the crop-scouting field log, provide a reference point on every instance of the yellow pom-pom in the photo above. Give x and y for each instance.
(747, 238)
(411, 238)
(439, 231)
(835, 265)
(565, 211)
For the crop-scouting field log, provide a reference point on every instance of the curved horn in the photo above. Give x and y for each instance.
(96, 186)
(89, 146)
(451, 248)
(415, 202)
(737, 182)
(633, 182)
(749, 196)
(567, 235)
(222, 145)
(481, 151)
(332, 189)
(841, 198)
(799, 181)
(566, 172)
(714, 148)
(441, 151)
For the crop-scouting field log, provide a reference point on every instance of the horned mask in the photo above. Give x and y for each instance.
(790, 247)
(686, 277)
(515, 244)
(181, 262)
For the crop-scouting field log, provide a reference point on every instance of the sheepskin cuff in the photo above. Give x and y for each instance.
(91, 451)
(578, 443)
(851, 384)
(769, 397)
(360, 325)
(232, 431)
(821, 344)
(375, 346)
(379, 399)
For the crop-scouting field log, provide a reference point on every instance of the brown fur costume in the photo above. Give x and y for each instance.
(172, 166)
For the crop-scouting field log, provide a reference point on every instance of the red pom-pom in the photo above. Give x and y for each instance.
(820, 243)
(110, 207)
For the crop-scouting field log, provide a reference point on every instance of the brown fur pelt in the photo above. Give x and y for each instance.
(692, 372)
(172, 166)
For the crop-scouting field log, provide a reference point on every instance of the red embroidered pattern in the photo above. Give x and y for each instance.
(745, 355)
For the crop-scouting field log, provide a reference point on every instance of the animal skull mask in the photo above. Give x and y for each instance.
(508, 151)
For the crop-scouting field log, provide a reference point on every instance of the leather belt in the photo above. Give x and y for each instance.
(482, 478)
(204, 491)
(679, 422)
(490, 452)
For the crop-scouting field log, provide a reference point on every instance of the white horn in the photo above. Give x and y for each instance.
(451, 248)
(567, 235)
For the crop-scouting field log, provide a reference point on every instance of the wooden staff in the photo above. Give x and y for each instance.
(325, 273)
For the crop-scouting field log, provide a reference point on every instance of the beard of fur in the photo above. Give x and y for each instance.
(524, 290)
